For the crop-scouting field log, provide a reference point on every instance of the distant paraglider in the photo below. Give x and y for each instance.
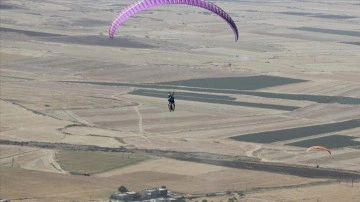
(318, 148)
(140, 5)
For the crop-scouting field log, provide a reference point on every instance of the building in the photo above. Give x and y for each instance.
(163, 200)
(154, 193)
(148, 195)
(127, 196)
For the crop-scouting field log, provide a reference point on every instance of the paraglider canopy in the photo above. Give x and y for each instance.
(318, 148)
(140, 5)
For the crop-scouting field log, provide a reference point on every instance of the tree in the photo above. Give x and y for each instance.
(123, 189)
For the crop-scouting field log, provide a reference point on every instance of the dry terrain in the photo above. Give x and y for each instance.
(63, 82)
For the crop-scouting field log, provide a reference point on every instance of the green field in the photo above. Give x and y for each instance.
(299, 132)
(210, 98)
(233, 86)
(331, 142)
(329, 31)
(89, 162)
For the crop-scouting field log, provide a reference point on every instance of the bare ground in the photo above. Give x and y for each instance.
(36, 107)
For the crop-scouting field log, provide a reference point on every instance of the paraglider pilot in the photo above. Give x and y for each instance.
(171, 100)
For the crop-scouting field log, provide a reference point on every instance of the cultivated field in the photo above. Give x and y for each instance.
(82, 114)
(83, 162)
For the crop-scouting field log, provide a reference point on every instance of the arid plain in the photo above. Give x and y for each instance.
(65, 85)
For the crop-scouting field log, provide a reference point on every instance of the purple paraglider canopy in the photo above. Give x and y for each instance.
(140, 5)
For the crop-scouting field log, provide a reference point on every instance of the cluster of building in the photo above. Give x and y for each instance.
(147, 195)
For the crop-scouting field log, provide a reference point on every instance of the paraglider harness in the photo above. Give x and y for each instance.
(171, 101)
